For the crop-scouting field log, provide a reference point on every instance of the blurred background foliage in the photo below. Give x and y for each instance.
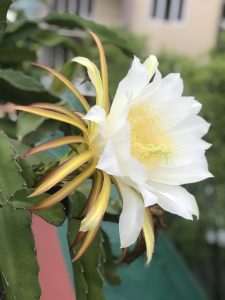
(200, 242)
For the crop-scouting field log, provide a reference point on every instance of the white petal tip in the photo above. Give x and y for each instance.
(209, 175)
(96, 114)
(197, 217)
(86, 227)
(151, 65)
(77, 59)
(148, 261)
(126, 244)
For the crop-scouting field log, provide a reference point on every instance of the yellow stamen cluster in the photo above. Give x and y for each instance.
(149, 144)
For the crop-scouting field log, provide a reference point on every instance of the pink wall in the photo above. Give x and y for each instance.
(53, 276)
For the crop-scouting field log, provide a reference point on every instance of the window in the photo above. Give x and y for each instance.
(170, 10)
(56, 56)
(223, 12)
(79, 7)
(222, 23)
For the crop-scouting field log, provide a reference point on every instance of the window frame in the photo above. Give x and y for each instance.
(160, 19)
(83, 8)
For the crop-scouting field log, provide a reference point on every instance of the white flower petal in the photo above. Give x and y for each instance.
(147, 92)
(184, 107)
(136, 78)
(108, 161)
(132, 216)
(96, 114)
(118, 115)
(134, 170)
(185, 151)
(148, 195)
(188, 142)
(130, 166)
(175, 113)
(162, 92)
(183, 158)
(192, 124)
(194, 172)
(168, 90)
(195, 105)
(122, 141)
(172, 85)
(176, 200)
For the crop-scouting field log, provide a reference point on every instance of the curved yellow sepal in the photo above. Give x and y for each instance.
(95, 191)
(61, 172)
(148, 234)
(52, 115)
(66, 190)
(87, 241)
(104, 71)
(80, 236)
(98, 208)
(67, 83)
(66, 140)
(151, 64)
(61, 109)
(95, 78)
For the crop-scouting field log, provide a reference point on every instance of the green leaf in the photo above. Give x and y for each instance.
(8, 127)
(33, 160)
(46, 129)
(90, 267)
(27, 172)
(23, 89)
(54, 215)
(75, 21)
(29, 163)
(67, 70)
(50, 38)
(88, 270)
(4, 6)
(16, 55)
(27, 123)
(20, 30)
(26, 165)
(18, 264)
(110, 268)
(1, 288)
(10, 172)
